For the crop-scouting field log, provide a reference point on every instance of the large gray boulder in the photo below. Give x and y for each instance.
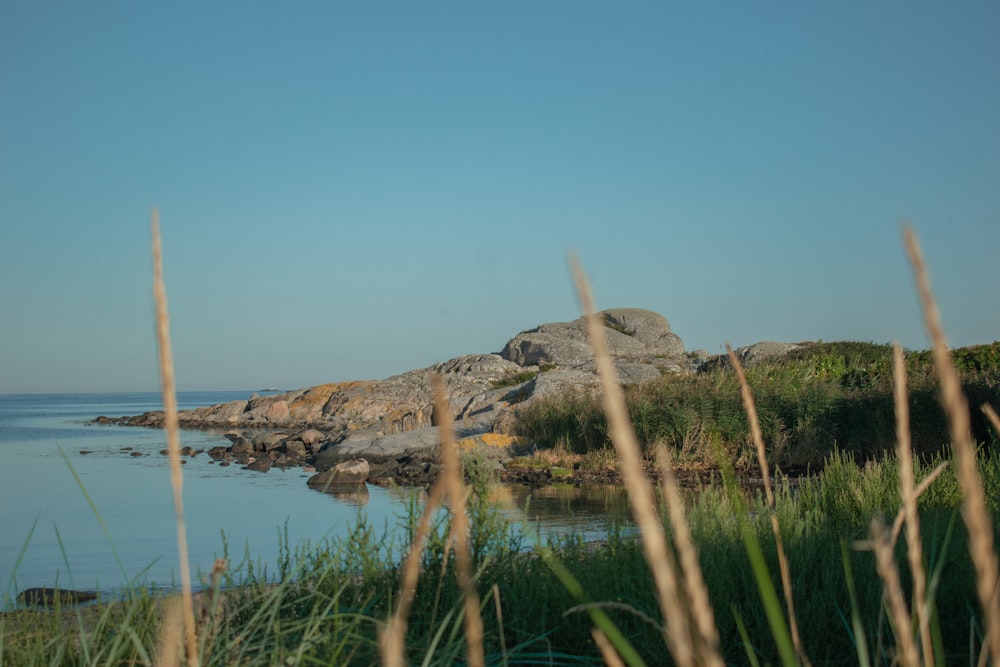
(631, 333)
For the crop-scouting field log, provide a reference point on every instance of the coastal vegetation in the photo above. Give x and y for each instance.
(326, 601)
(817, 398)
(883, 556)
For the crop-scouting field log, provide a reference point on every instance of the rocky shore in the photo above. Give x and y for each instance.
(389, 423)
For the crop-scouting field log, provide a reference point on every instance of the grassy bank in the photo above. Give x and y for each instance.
(333, 597)
(890, 561)
(818, 398)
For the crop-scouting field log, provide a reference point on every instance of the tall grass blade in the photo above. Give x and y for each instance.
(762, 577)
(769, 596)
(745, 637)
(758, 439)
(597, 615)
(96, 513)
(460, 525)
(637, 485)
(12, 578)
(907, 490)
(860, 637)
(392, 639)
(694, 582)
(897, 524)
(167, 386)
(974, 513)
(608, 653)
(991, 414)
(886, 566)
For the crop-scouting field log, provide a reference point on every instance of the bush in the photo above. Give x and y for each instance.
(820, 397)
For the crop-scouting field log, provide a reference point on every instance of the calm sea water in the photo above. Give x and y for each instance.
(103, 519)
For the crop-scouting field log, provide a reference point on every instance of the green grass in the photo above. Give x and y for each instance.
(326, 601)
(822, 397)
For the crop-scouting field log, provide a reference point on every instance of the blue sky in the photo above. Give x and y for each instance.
(353, 190)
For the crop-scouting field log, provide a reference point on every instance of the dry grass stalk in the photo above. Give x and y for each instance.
(499, 608)
(168, 390)
(991, 414)
(907, 489)
(171, 634)
(210, 603)
(974, 513)
(392, 642)
(885, 562)
(637, 485)
(694, 582)
(608, 652)
(897, 525)
(460, 525)
(758, 440)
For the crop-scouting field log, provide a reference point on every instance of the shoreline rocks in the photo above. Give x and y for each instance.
(390, 423)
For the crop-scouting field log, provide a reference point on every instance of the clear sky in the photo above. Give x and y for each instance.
(353, 190)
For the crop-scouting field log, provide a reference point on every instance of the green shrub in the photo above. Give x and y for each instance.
(820, 397)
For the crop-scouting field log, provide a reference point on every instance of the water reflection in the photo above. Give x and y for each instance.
(588, 511)
(548, 511)
(355, 495)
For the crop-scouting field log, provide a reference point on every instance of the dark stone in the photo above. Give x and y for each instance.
(242, 446)
(265, 442)
(219, 453)
(296, 449)
(51, 597)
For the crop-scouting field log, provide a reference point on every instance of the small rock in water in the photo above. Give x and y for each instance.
(51, 597)
(125, 449)
(86, 451)
(223, 464)
(262, 465)
(136, 454)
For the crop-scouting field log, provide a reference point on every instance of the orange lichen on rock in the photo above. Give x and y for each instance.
(310, 405)
(496, 440)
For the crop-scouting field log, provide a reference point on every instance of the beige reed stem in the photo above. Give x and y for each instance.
(908, 494)
(637, 485)
(392, 643)
(460, 526)
(694, 581)
(758, 440)
(974, 513)
(173, 438)
(885, 563)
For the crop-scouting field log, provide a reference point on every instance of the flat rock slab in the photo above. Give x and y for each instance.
(419, 444)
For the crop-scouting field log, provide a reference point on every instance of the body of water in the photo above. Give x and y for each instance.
(102, 519)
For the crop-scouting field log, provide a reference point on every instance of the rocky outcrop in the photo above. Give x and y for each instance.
(481, 387)
(390, 422)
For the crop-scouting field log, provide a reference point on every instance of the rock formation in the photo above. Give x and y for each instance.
(389, 421)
